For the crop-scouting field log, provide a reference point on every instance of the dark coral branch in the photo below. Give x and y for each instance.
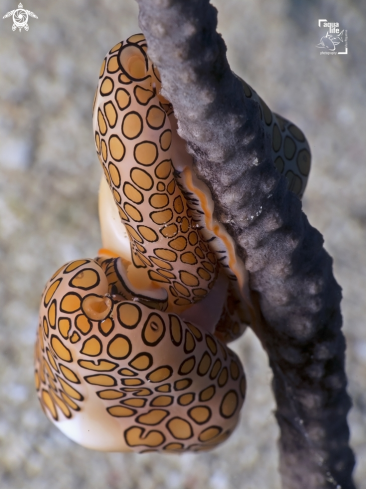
(290, 272)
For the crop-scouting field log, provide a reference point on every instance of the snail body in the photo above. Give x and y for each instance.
(131, 350)
(117, 375)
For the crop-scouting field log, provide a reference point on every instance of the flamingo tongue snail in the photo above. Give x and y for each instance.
(131, 348)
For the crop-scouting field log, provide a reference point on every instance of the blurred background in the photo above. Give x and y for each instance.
(48, 216)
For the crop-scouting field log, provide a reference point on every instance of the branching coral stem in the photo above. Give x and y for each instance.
(290, 271)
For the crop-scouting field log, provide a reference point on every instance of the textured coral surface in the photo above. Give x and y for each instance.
(48, 202)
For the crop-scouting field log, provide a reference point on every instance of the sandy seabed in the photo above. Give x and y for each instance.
(48, 216)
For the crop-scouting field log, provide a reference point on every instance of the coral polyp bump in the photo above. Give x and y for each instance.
(131, 351)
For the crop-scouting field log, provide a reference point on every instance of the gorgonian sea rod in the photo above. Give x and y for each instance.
(131, 349)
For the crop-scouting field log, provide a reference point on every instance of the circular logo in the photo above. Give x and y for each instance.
(20, 18)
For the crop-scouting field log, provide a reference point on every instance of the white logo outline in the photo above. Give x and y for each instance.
(332, 38)
(330, 42)
(20, 18)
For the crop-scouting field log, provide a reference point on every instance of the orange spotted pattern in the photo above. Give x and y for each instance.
(169, 385)
(133, 142)
(120, 370)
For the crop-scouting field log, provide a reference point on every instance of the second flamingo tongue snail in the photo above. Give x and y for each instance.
(131, 348)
